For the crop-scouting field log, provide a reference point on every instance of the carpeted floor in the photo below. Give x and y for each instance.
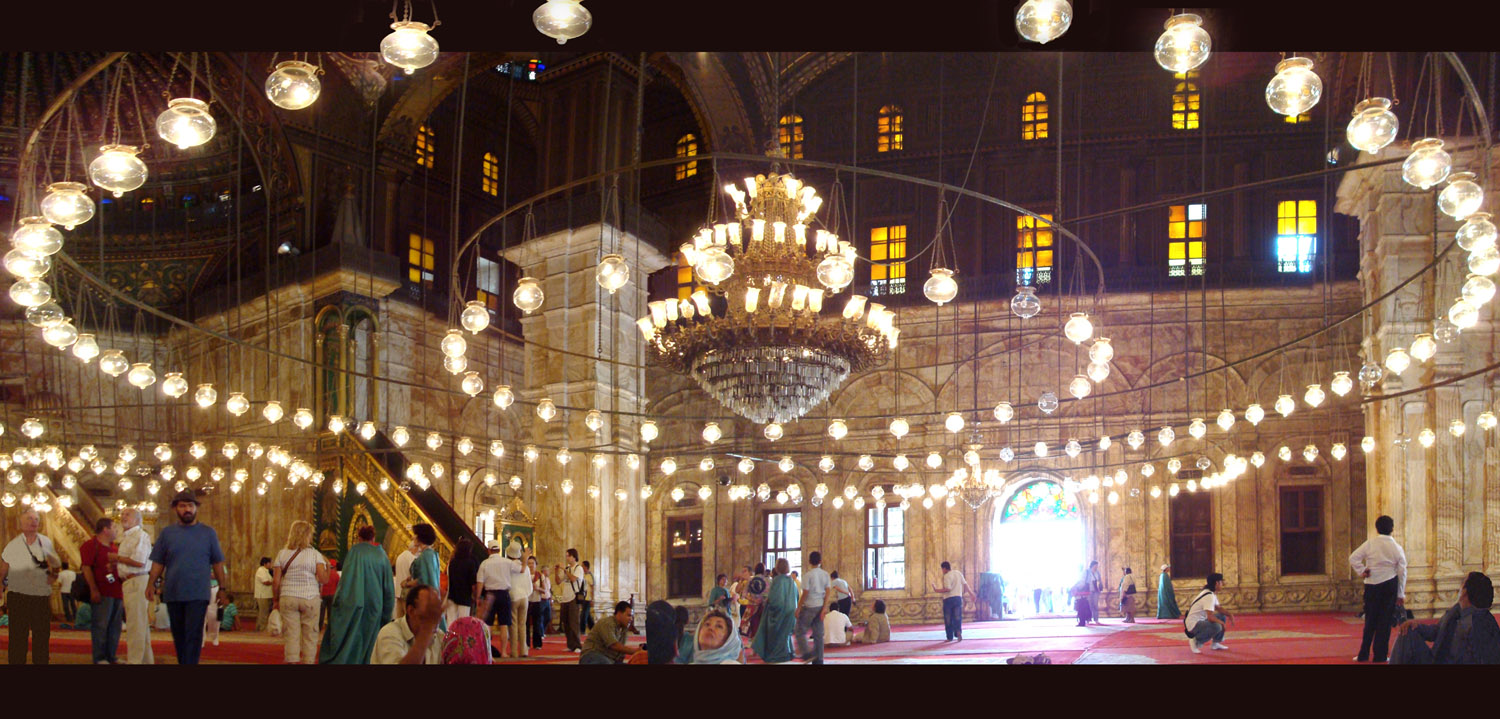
(1319, 638)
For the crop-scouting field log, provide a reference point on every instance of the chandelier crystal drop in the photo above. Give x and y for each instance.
(649, 431)
(1080, 387)
(545, 409)
(1426, 437)
(67, 204)
(1477, 233)
(1226, 419)
(837, 429)
(237, 404)
(1341, 384)
(186, 123)
(1373, 126)
(472, 383)
(1025, 304)
(528, 295)
(1486, 420)
(117, 169)
(1478, 290)
(1042, 21)
(1483, 261)
(1462, 197)
(1047, 403)
(30, 293)
(612, 273)
(773, 431)
(141, 376)
(1185, 45)
(1135, 439)
(940, 288)
(1314, 395)
(562, 20)
(711, 432)
(954, 422)
(409, 47)
(1295, 89)
(1004, 412)
(770, 354)
(1463, 314)
(27, 265)
(1078, 327)
(1165, 436)
(1284, 405)
(1196, 428)
(1427, 165)
(293, 85)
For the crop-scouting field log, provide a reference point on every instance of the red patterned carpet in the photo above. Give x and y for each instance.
(1319, 638)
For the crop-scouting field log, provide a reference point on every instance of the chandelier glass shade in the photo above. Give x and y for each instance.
(1042, 21)
(117, 169)
(1427, 165)
(758, 340)
(1185, 45)
(1373, 126)
(562, 20)
(409, 47)
(293, 85)
(1296, 88)
(1477, 233)
(1462, 197)
(186, 123)
(67, 204)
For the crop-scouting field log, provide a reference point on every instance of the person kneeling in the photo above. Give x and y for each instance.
(1467, 633)
(605, 643)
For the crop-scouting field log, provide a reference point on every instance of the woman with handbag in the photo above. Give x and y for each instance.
(299, 575)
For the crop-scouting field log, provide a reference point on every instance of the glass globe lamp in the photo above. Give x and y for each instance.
(30, 293)
(475, 317)
(706, 464)
(1225, 419)
(27, 265)
(612, 273)
(1462, 197)
(528, 295)
(472, 383)
(1427, 165)
(36, 235)
(32, 428)
(1314, 395)
(1101, 351)
(1295, 89)
(336, 423)
(773, 431)
(1078, 328)
(1039, 449)
(900, 463)
(593, 420)
(1284, 405)
(1025, 304)
(1196, 428)
(1477, 233)
(504, 397)
(1367, 444)
(940, 288)
(272, 412)
(1254, 414)
(562, 20)
(455, 365)
(1080, 387)
(1072, 448)
(1184, 46)
(714, 265)
(745, 465)
(1042, 21)
(1370, 373)
(113, 363)
(1284, 453)
(140, 375)
(1426, 437)
(186, 123)
(293, 85)
(400, 436)
(785, 464)
(865, 463)
(1423, 347)
(1135, 439)
(546, 410)
(1477, 290)
(838, 429)
(649, 431)
(497, 448)
(1463, 314)
(117, 169)
(1397, 360)
(409, 47)
(453, 344)
(899, 427)
(45, 314)
(1484, 261)
(172, 384)
(954, 422)
(60, 335)
(1104, 442)
(1486, 420)
(1047, 403)
(67, 204)
(836, 272)
(1004, 412)
(1166, 436)
(1007, 454)
(668, 466)
(711, 432)
(826, 464)
(1373, 126)
(1457, 428)
(237, 404)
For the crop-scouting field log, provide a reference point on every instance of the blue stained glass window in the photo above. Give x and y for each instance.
(1041, 500)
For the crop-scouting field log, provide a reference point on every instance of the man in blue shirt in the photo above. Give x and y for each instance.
(186, 551)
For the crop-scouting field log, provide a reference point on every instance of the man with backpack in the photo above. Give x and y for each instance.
(1205, 620)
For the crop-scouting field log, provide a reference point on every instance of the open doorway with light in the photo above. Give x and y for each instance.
(1037, 547)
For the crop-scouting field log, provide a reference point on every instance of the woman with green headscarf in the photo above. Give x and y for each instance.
(773, 639)
(1166, 599)
(424, 569)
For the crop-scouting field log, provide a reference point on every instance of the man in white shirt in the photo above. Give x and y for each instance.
(493, 589)
(836, 625)
(811, 608)
(265, 591)
(403, 573)
(953, 589)
(415, 637)
(1382, 563)
(134, 562)
(29, 562)
(567, 585)
(1205, 620)
(841, 593)
(65, 581)
(520, 597)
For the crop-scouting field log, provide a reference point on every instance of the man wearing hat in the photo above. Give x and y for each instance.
(494, 588)
(520, 596)
(186, 551)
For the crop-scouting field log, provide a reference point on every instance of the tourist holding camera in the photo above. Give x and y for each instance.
(29, 563)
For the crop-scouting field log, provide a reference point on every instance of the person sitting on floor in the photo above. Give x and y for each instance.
(229, 614)
(83, 618)
(680, 618)
(717, 640)
(605, 643)
(1467, 633)
(836, 626)
(878, 627)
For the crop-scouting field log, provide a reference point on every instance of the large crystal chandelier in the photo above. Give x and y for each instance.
(759, 340)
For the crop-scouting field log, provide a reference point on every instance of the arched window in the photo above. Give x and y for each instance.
(489, 179)
(1185, 101)
(1033, 250)
(1041, 500)
(1034, 117)
(889, 129)
(789, 134)
(426, 145)
(687, 146)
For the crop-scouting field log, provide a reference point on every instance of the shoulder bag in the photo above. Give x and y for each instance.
(276, 592)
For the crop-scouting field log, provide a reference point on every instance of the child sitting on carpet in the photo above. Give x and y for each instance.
(82, 619)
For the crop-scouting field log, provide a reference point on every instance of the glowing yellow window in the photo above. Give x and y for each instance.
(426, 144)
(1296, 235)
(1033, 250)
(789, 135)
(687, 146)
(1185, 101)
(886, 244)
(421, 257)
(686, 284)
(489, 179)
(889, 129)
(1185, 239)
(1034, 117)
(1296, 119)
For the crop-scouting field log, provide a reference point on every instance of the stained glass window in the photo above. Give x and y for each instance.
(1185, 239)
(1296, 235)
(1040, 501)
(1034, 117)
(889, 129)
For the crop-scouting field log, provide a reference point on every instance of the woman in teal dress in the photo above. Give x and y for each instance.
(1166, 599)
(361, 606)
(424, 569)
(773, 639)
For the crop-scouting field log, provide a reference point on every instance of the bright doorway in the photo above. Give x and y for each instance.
(1037, 547)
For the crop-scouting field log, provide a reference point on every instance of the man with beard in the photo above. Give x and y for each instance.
(185, 552)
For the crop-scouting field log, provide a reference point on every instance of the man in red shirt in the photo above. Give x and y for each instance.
(105, 591)
(327, 591)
